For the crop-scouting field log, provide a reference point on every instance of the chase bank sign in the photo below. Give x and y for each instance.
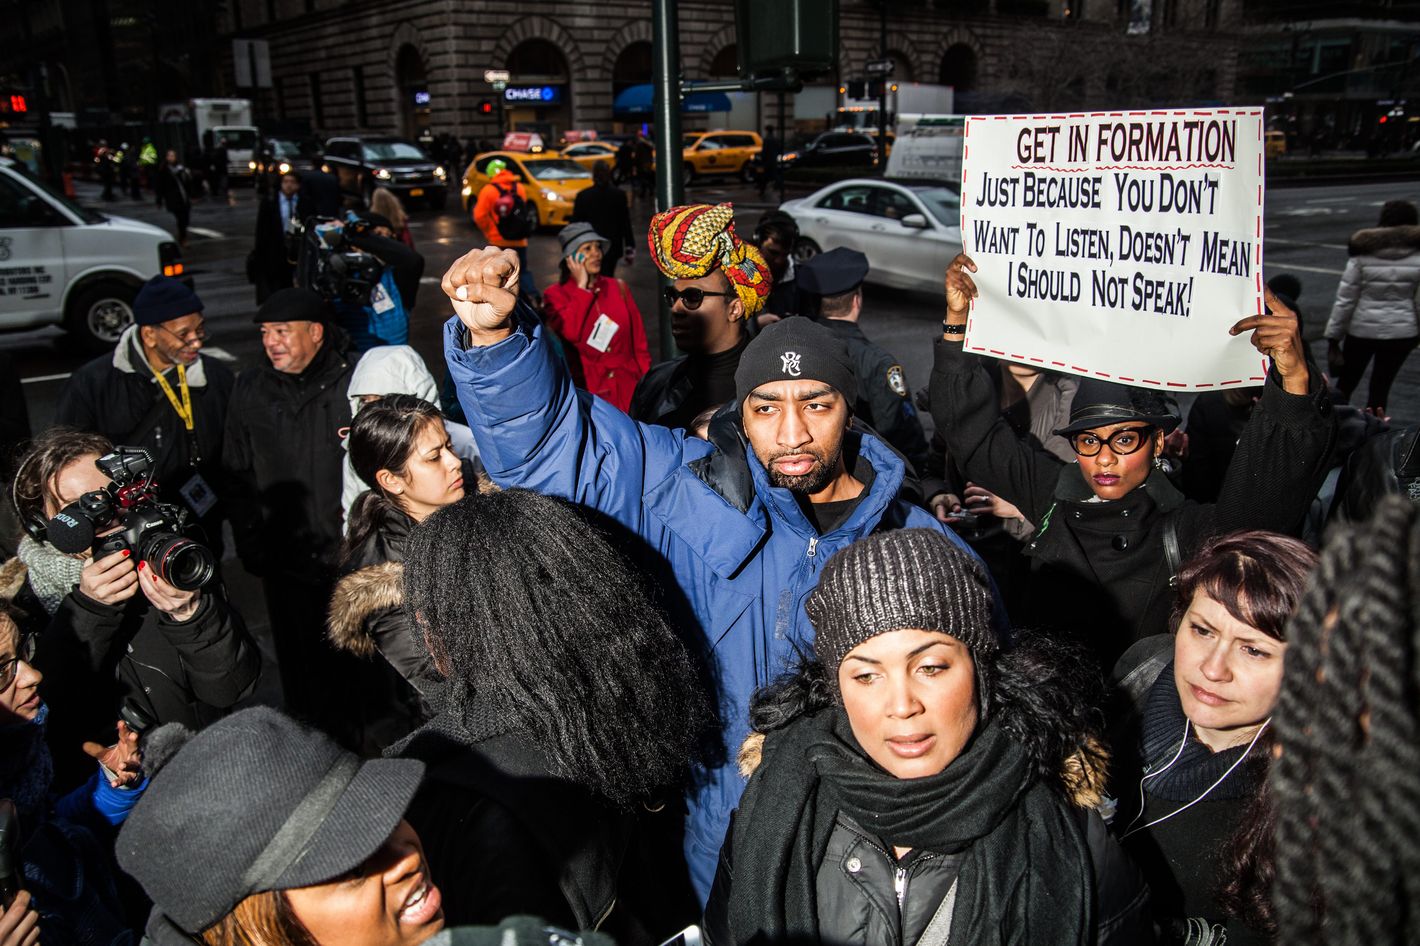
(533, 94)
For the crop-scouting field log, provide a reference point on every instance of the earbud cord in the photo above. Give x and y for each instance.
(1241, 758)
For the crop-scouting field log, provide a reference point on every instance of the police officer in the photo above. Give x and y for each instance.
(836, 278)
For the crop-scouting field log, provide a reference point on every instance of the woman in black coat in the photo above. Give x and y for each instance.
(1111, 530)
(571, 717)
(117, 635)
(400, 449)
(1193, 759)
(920, 782)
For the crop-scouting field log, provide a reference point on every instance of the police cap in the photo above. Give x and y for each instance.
(833, 273)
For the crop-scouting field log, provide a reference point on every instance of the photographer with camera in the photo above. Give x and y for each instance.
(285, 460)
(370, 278)
(159, 391)
(138, 626)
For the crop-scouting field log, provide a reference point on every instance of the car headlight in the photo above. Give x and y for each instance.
(284, 167)
(441, 174)
(789, 156)
(467, 191)
(251, 165)
(383, 174)
(551, 195)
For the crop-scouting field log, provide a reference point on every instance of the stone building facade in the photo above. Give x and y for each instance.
(399, 65)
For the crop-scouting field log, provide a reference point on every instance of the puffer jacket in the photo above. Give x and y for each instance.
(743, 555)
(367, 609)
(97, 658)
(1377, 295)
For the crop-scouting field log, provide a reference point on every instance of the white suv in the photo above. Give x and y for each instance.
(68, 265)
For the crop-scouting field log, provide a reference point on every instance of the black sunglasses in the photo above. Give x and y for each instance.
(692, 297)
(1121, 443)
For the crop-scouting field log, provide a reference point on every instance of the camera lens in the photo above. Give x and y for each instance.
(180, 562)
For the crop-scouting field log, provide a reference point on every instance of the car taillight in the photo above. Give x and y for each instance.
(170, 259)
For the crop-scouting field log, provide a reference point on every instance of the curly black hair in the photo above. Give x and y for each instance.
(1346, 782)
(520, 598)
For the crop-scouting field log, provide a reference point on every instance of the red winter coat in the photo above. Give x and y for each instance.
(573, 313)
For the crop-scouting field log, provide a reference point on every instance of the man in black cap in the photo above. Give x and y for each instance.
(883, 403)
(284, 457)
(157, 390)
(744, 521)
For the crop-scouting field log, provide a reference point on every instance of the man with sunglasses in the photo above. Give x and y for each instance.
(157, 390)
(1112, 531)
(744, 519)
(720, 283)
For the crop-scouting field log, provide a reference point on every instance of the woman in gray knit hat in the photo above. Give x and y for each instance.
(918, 781)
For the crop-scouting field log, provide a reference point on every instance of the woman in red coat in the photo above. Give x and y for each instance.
(596, 319)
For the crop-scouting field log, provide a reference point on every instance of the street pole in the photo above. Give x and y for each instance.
(670, 191)
(882, 86)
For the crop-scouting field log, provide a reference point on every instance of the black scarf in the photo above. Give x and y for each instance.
(1026, 873)
(1197, 767)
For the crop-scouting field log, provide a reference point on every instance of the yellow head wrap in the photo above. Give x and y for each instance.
(688, 242)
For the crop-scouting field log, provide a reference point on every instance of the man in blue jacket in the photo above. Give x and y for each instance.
(745, 531)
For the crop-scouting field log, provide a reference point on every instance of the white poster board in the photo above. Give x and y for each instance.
(1118, 245)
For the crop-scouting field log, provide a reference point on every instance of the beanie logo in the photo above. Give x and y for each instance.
(791, 360)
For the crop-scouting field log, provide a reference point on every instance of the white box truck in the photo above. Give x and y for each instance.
(229, 119)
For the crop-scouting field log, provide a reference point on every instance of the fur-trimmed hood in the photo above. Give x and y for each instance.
(359, 596)
(13, 573)
(1385, 242)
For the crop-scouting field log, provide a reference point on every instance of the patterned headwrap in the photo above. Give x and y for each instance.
(688, 242)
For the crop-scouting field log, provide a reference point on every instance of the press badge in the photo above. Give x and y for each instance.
(198, 495)
(380, 300)
(602, 333)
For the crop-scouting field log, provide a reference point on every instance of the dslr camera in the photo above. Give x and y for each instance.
(328, 264)
(147, 527)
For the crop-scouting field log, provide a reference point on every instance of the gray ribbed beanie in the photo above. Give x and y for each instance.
(905, 578)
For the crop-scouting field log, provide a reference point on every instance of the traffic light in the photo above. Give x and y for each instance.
(485, 107)
(18, 105)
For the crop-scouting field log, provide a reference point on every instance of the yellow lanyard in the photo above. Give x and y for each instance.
(183, 407)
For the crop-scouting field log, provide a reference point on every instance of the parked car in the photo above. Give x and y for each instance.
(551, 181)
(63, 264)
(590, 153)
(909, 232)
(362, 163)
(720, 152)
(277, 156)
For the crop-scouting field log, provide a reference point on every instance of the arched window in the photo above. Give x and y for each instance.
(959, 67)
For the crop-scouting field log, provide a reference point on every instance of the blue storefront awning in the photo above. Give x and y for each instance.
(637, 99)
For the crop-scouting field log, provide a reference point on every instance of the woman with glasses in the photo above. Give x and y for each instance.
(61, 841)
(1111, 529)
(596, 318)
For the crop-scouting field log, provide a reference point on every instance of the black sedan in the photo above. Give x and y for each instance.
(363, 163)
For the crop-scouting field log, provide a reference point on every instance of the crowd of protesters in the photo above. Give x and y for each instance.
(722, 642)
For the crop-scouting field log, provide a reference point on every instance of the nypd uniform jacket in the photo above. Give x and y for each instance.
(883, 400)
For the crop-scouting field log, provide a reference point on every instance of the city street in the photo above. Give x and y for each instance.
(1307, 230)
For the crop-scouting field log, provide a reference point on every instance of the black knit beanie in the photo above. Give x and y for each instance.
(905, 578)
(796, 349)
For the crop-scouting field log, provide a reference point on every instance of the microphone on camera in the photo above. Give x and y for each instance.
(71, 530)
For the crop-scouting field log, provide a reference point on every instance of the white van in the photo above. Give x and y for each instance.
(62, 264)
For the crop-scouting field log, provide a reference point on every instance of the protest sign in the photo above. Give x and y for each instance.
(1118, 245)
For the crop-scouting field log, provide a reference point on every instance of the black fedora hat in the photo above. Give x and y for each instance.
(1101, 403)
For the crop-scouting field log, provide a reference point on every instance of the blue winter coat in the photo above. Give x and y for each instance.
(745, 563)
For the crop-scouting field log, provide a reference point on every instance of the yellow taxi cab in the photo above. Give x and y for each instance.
(720, 152)
(1274, 143)
(590, 153)
(551, 182)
